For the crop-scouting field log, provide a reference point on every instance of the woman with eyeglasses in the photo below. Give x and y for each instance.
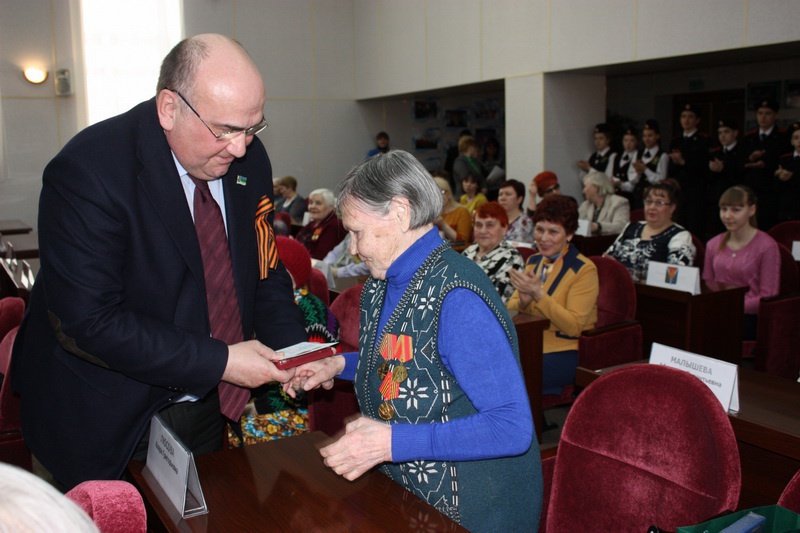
(657, 238)
(560, 284)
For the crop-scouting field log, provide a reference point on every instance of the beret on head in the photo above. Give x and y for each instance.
(693, 108)
(545, 180)
(602, 128)
(769, 103)
(295, 258)
(652, 124)
(728, 123)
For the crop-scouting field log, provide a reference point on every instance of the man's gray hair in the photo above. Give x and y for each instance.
(376, 181)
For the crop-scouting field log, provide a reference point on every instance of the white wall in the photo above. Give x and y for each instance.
(319, 57)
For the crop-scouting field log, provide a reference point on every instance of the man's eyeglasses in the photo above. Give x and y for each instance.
(657, 203)
(227, 135)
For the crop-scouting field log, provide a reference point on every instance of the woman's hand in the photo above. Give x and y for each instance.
(366, 443)
(529, 286)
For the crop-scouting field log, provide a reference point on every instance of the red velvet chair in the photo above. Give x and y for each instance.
(318, 285)
(778, 336)
(616, 337)
(114, 506)
(329, 409)
(791, 494)
(790, 276)
(637, 215)
(12, 309)
(12, 447)
(786, 233)
(700, 255)
(526, 252)
(643, 445)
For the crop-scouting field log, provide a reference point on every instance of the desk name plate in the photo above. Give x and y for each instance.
(719, 376)
(172, 466)
(675, 277)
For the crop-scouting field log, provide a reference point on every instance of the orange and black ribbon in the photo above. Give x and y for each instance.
(267, 248)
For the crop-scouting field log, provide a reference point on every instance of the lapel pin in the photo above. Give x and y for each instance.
(241, 180)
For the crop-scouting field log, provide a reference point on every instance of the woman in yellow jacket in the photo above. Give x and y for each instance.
(559, 284)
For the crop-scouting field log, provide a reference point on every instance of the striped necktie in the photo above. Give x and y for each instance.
(224, 317)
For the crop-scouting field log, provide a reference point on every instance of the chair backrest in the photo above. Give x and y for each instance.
(346, 310)
(778, 336)
(114, 506)
(617, 298)
(790, 277)
(12, 310)
(9, 402)
(637, 215)
(526, 252)
(318, 285)
(790, 498)
(786, 233)
(700, 253)
(644, 445)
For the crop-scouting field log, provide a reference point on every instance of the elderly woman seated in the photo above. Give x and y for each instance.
(606, 212)
(559, 284)
(325, 229)
(495, 255)
(657, 238)
(444, 408)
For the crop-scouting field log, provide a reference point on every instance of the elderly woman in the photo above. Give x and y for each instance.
(606, 212)
(442, 400)
(559, 284)
(495, 255)
(657, 238)
(325, 229)
(454, 221)
(510, 197)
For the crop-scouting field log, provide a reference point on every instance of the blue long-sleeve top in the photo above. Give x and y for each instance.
(475, 349)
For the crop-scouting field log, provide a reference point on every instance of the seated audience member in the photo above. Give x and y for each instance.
(467, 162)
(651, 168)
(787, 186)
(606, 212)
(454, 223)
(495, 255)
(472, 197)
(274, 414)
(279, 199)
(293, 203)
(559, 284)
(28, 503)
(543, 184)
(341, 263)
(325, 229)
(604, 157)
(510, 197)
(381, 144)
(623, 168)
(657, 238)
(743, 255)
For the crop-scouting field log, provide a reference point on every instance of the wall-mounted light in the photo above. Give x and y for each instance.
(35, 75)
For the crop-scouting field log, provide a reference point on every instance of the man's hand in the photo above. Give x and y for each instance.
(315, 374)
(250, 365)
(365, 444)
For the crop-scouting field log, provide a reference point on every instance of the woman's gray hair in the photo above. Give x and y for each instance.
(326, 194)
(601, 181)
(376, 181)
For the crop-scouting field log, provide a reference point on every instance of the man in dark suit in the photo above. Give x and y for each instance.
(120, 323)
(688, 154)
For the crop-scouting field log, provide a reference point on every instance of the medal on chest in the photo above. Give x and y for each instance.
(395, 350)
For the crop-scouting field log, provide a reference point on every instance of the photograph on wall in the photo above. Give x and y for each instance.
(427, 140)
(758, 92)
(489, 110)
(791, 94)
(456, 118)
(426, 110)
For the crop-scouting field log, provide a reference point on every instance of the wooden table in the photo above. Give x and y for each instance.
(14, 227)
(12, 280)
(283, 485)
(26, 245)
(709, 323)
(530, 333)
(767, 429)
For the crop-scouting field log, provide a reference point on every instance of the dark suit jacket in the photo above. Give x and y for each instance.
(117, 325)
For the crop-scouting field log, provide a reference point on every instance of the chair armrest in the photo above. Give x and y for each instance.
(611, 345)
